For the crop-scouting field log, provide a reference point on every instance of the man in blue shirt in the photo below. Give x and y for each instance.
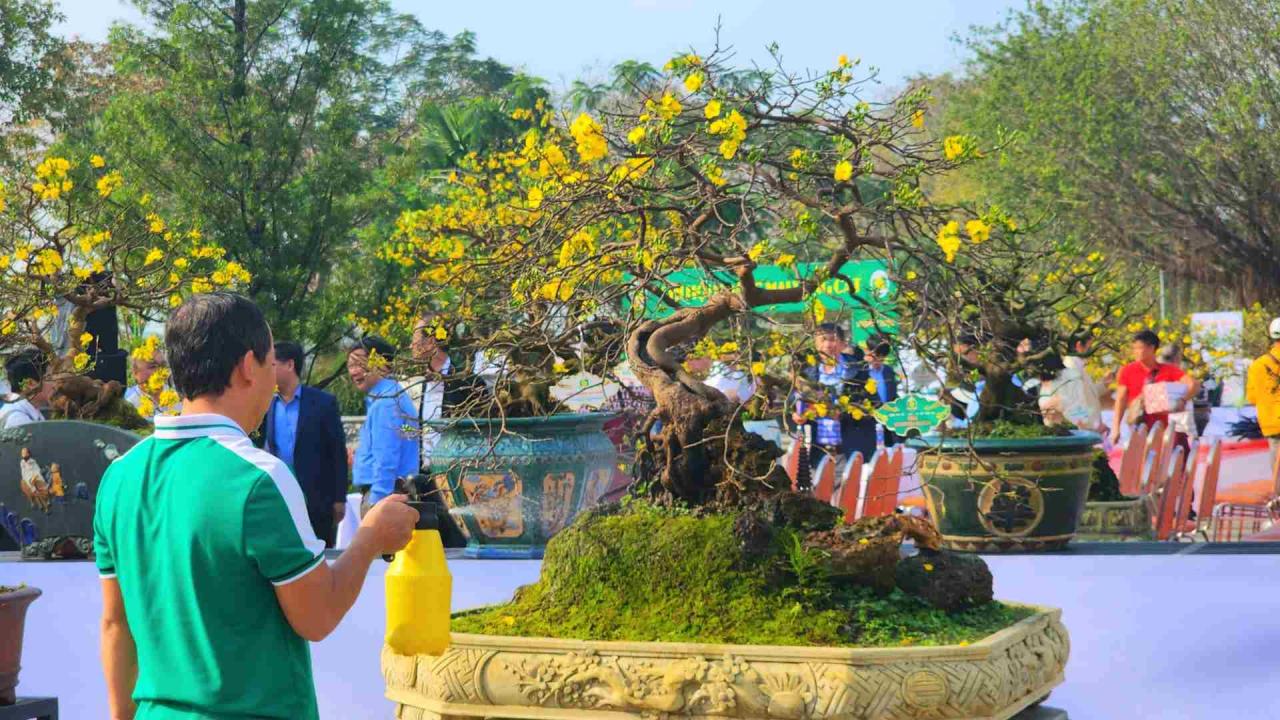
(388, 447)
(304, 429)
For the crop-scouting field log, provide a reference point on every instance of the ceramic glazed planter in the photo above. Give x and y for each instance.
(13, 614)
(486, 676)
(1006, 495)
(1117, 520)
(513, 495)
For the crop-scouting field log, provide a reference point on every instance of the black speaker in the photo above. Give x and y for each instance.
(109, 361)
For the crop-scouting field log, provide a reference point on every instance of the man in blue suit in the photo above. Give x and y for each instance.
(304, 429)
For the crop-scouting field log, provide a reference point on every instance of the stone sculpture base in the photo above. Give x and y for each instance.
(499, 678)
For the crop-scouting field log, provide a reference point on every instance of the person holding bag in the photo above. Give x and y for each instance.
(1153, 404)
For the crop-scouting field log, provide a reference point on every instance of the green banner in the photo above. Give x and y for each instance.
(868, 282)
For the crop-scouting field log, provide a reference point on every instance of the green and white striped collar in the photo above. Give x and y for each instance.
(182, 427)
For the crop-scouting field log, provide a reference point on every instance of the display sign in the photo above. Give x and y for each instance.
(864, 291)
(912, 412)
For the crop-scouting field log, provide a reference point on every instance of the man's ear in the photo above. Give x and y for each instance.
(244, 368)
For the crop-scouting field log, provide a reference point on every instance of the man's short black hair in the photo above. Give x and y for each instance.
(830, 329)
(208, 336)
(879, 345)
(968, 339)
(288, 351)
(27, 365)
(1148, 338)
(1078, 339)
(371, 344)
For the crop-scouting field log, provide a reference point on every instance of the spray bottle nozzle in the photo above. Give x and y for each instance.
(428, 519)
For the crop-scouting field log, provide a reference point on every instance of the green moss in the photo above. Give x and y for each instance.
(653, 575)
(1006, 430)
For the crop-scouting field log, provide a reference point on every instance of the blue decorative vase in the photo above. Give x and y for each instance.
(514, 483)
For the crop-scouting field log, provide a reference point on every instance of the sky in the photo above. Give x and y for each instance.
(563, 40)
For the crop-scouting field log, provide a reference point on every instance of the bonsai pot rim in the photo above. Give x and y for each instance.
(589, 421)
(993, 643)
(1077, 440)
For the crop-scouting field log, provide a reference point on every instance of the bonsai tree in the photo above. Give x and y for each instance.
(580, 224)
(76, 237)
(990, 307)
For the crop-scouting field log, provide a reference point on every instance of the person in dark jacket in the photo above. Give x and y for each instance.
(304, 429)
(876, 383)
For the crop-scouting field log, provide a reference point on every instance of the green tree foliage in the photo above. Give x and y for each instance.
(276, 126)
(1145, 125)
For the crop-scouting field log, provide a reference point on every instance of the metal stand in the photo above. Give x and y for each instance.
(31, 709)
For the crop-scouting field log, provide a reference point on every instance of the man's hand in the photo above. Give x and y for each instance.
(339, 512)
(316, 601)
(1115, 434)
(389, 524)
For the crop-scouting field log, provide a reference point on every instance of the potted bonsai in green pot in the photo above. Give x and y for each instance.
(13, 613)
(996, 310)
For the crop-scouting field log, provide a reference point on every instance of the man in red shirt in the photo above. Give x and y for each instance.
(1135, 376)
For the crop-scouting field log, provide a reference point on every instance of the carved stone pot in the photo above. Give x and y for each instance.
(499, 678)
(13, 614)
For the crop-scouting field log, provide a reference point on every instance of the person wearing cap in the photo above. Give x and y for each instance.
(213, 580)
(1263, 390)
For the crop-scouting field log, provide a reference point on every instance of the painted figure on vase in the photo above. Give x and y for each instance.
(34, 486)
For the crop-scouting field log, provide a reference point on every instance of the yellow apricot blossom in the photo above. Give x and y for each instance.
(949, 239)
(917, 119)
(712, 109)
(669, 107)
(589, 137)
(154, 256)
(97, 161)
(843, 171)
(693, 82)
(979, 231)
(109, 183)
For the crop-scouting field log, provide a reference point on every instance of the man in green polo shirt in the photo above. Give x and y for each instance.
(212, 578)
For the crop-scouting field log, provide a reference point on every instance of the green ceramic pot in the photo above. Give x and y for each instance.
(515, 483)
(1006, 495)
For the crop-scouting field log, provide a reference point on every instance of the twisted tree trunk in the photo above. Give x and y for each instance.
(701, 454)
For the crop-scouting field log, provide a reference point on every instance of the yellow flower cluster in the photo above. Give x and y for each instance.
(47, 262)
(580, 246)
(843, 171)
(978, 230)
(109, 183)
(146, 352)
(949, 239)
(589, 137)
(53, 180)
(734, 128)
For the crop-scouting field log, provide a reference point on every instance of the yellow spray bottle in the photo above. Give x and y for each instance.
(419, 590)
